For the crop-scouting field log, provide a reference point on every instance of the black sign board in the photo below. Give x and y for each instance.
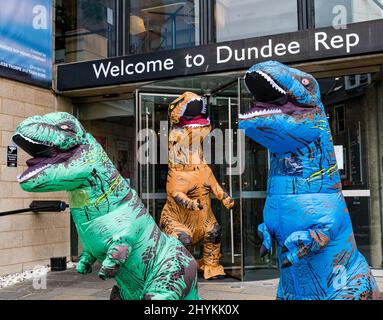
(12, 156)
(306, 45)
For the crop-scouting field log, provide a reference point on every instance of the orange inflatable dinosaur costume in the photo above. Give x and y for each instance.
(187, 214)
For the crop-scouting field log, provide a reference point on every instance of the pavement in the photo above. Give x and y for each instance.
(69, 285)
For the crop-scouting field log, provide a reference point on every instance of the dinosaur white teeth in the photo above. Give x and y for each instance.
(271, 81)
(31, 141)
(253, 114)
(21, 178)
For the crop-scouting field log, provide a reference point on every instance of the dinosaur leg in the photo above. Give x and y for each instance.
(186, 239)
(212, 253)
(176, 278)
(171, 226)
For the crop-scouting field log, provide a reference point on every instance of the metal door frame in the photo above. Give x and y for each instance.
(147, 195)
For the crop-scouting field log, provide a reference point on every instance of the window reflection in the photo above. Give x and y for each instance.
(352, 108)
(240, 19)
(159, 25)
(85, 29)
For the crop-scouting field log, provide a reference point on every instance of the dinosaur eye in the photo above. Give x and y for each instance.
(64, 127)
(305, 82)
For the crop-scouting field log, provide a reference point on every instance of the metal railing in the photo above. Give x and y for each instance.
(39, 206)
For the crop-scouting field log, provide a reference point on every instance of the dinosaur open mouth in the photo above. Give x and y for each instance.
(194, 114)
(264, 88)
(43, 156)
(260, 109)
(270, 98)
(193, 108)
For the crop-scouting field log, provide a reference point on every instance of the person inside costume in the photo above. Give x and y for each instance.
(187, 214)
(112, 222)
(305, 211)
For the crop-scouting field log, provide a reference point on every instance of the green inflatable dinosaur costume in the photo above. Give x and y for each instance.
(111, 220)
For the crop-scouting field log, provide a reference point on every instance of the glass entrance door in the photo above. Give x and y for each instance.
(152, 149)
(226, 165)
(244, 175)
(253, 186)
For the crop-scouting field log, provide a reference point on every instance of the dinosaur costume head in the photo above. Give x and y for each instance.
(59, 146)
(190, 125)
(189, 110)
(287, 113)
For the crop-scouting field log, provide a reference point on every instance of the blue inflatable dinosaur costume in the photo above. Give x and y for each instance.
(305, 211)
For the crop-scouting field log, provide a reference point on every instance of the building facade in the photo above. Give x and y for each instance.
(118, 64)
(27, 239)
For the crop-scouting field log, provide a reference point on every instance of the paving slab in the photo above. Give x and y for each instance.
(69, 285)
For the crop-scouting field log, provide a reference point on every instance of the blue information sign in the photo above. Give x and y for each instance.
(26, 41)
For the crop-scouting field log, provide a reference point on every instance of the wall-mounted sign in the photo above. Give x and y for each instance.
(315, 44)
(26, 41)
(339, 154)
(12, 156)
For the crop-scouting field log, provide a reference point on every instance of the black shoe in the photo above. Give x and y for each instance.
(220, 277)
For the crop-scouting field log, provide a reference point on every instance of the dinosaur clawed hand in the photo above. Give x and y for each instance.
(228, 202)
(198, 205)
(84, 267)
(107, 272)
(116, 255)
(85, 263)
(300, 243)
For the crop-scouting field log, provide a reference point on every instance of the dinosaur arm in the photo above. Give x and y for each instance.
(177, 185)
(219, 193)
(116, 255)
(184, 201)
(300, 243)
(266, 238)
(85, 263)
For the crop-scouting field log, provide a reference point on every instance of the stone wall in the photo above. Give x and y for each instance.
(27, 239)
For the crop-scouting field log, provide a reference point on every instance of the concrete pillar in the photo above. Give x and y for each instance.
(373, 108)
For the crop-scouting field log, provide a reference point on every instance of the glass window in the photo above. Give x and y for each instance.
(355, 114)
(85, 29)
(240, 19)
(112, 123)
(158, 25)
(340, 12)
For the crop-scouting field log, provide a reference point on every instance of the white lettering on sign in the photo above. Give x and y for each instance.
(118, 70)
(226, 53)
(228, 56)
(40, 19)
(336, 42)
(169, 64)
(101, 68)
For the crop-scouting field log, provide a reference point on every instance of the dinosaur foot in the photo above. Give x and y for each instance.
(213, 272)
(220, 277)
